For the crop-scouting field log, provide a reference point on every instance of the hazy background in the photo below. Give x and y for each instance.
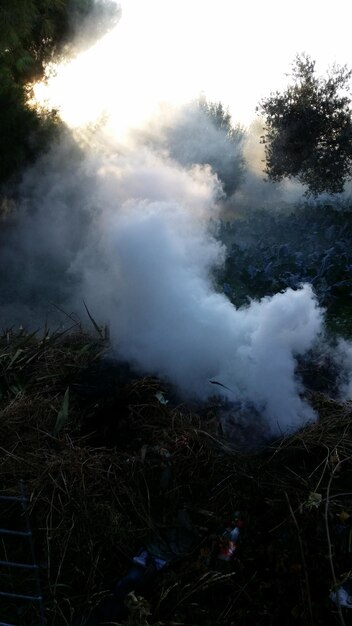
(122, 211)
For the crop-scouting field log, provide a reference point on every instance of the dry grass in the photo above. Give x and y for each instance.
(92, 507)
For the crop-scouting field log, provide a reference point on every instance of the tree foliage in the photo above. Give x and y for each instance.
(229, 162)
(308, 131)
(204, 135)
(32, 33)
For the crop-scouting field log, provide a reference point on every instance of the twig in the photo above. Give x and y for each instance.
(326, 463)
(303, 559)
(97, 328)
(232, 603)
(327, 529)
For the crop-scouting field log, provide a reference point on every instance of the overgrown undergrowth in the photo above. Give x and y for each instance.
(109, 467)
(269, 251)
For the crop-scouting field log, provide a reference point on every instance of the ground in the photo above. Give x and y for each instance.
(109, 468)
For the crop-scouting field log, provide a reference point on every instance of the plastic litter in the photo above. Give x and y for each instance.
(342, 595)
(163, 549)
(229, 540)
(143, 557)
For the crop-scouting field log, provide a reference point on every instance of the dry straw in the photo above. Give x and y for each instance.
(93, 506)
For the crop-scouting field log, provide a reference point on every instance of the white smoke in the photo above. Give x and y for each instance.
(343, 356)
(201, 133)
(147, 270)
(256, 190)
(100, 18)
(127, 230)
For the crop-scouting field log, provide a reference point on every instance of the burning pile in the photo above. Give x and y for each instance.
(112, 464)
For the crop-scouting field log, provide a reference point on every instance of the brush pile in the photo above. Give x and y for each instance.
(112, 463)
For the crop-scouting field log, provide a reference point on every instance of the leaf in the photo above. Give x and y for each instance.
(97, 328)
(160, 396)
(252, 271)
(144, 450)
(215, 382)
(16, 389)
(63, 414)
(314, 500)
(15, 356)
(24, 63)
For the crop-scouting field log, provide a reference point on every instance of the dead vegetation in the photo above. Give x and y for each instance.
(110, 467)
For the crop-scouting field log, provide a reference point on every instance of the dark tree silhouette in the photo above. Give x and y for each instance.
(204, 134)
(308, 132)
(33, 32)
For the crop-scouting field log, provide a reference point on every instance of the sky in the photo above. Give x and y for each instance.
(172, 51)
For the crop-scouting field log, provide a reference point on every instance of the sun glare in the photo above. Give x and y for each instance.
(124, 76)
(172, 51)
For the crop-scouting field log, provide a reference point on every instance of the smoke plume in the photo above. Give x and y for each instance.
(154, 276)
(129, 232)
(129, 229)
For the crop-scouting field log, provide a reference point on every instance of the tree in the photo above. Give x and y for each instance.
(32, 32)
(204, 134)
(308, 132)
(229, 162)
